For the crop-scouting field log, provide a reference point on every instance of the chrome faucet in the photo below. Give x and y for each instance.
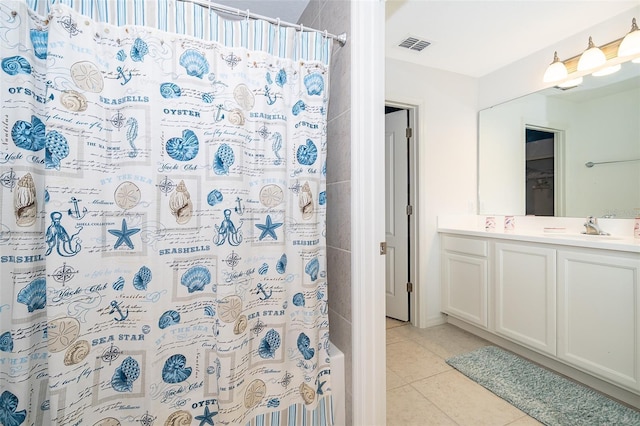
(592, 228)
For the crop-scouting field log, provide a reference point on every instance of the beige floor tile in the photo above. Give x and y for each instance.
(525, 421)
(394, 381)
(413, 362)
(392, 323)
(407, 407)
(465, 401)
(447, 340)
(394, 335)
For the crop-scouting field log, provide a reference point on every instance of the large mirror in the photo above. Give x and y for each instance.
(564, 152)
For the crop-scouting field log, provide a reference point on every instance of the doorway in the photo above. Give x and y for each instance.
(543, 189)
(399, 210)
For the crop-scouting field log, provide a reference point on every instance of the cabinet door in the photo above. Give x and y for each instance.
(464, 287)
(598, 318)
(525, 292)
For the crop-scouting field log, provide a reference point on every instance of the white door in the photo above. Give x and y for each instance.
(397, 221)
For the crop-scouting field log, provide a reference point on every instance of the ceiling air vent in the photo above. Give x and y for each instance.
(414, 43)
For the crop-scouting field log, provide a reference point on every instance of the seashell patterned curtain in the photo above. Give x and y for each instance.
(162, 217)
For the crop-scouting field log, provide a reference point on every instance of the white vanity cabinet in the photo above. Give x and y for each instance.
(598, 313)
(465, 279)
(525, 294)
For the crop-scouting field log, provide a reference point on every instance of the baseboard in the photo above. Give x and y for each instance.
(622, 395)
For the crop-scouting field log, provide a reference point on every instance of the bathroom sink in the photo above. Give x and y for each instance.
(587, 237)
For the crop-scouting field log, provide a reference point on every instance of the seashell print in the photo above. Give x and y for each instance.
(138, 50)
(124, 376)
(263, 269)
(142, 278)
(241, 325)
(255, 392)
(236, 117)
(214, 197)
(40, 41)
(180, 204)
(223, 159)
(108, 421)
(196, 278)
(322, 198)
(87, 76)
(314, 84)
(281, 266)
(47, 197)
(34, 294)
(268, 77)
(6, 342)
(184, 148)
(229, 308)
(29, 136)
(209, 311)
(271, 195)
(298, 107)
(298, 299)
(307, 153)
(269, 344)
(168, 319)
(244, 97)
(24, 201)
(73, 101)
(118, 284)
(174, 370)
(273, 403)
(170, 90)
(281, 78)
(308, 393)
(194, 63)
(61, 333)
(312, 268)
(179, 418)
(207, 98)
(8, 405)
(127, 195)
(56, 149)
(77, 352)
(16, 65)
(304, 346)
(121, 55)
(305, 201)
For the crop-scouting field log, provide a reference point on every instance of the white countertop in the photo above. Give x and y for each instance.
(565, 231)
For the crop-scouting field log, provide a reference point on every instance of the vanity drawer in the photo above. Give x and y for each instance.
(472, 246)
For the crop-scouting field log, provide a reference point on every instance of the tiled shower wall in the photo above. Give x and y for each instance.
(335, 17)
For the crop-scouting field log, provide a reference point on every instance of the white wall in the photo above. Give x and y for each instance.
(447, 117)
(525, 76)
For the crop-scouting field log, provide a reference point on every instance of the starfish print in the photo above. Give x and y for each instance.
(124, 235)
(268, 228)
(206, 417)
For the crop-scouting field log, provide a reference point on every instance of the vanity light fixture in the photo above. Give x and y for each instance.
(591, 58)
(607, 70)
(570, 84)
(630, 44)
(556, 71)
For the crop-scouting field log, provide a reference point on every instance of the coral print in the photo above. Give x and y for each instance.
(162, 219)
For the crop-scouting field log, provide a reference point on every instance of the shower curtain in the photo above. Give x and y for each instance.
(162, 228)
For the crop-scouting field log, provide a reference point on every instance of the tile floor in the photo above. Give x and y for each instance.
(422, 389)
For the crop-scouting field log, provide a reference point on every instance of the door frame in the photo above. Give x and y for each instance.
(413, 110)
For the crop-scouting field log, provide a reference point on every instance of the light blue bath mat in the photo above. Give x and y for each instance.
(543, 395)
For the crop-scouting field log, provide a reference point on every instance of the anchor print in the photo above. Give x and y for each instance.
(219, 113)
(265, 295)
(240, 207)
(115, 307)
(75, 211)
(271, 99)
(121, 75)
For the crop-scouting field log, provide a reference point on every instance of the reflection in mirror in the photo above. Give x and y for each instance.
(595, 150)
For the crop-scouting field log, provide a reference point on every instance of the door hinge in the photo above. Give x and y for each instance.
(409, 287)
(383, 248)
(409, 210)
(409, 132)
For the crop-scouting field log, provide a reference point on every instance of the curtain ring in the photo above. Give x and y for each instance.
(247, 15)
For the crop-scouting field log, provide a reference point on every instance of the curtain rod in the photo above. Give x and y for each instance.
(340, 38)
